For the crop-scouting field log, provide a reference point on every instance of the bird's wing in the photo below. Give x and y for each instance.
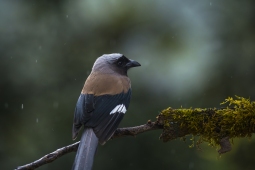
(82, 113)
(103, 113)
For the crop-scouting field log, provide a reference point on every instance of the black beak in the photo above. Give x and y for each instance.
(132, 63)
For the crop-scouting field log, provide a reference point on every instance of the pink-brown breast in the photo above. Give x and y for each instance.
(101, 84)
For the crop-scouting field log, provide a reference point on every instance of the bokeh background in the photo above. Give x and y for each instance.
(194, 53)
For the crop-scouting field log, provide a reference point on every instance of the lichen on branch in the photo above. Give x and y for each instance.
(211, 125)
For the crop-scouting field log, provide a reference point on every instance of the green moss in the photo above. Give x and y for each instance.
(211, 125)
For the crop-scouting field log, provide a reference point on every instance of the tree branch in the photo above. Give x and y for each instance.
(215, 126)
(50, 157)
(120, 132)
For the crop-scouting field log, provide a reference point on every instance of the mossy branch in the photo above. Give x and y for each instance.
(215, 126)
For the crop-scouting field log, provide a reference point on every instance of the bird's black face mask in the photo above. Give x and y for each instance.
(122, 64)
(126, 63)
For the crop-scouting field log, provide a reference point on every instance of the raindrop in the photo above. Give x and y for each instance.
(36, 61)
(191, 165)
(55, 105)
(66, 16)
(40, 47)
(22, 106)
(173, 151)
(6, 105)
(210, 3)
(37, 120)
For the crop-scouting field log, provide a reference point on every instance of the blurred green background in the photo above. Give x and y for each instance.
(194, 53)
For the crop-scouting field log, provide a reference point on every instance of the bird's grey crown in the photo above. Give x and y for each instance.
(111, 57)
(105, 62)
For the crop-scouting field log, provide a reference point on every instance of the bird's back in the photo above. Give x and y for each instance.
(102, 104)
(100, 84)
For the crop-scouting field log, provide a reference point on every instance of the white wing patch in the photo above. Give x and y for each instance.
(119, 108)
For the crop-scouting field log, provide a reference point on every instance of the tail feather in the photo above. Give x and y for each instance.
(87, 148)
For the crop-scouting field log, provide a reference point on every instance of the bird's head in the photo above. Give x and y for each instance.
(114, 63)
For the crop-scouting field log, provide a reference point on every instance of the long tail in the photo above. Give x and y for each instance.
(86, 151)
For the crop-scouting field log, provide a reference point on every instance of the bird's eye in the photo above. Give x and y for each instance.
(119, 63)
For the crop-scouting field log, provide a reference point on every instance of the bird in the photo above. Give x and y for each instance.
(101, 106)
